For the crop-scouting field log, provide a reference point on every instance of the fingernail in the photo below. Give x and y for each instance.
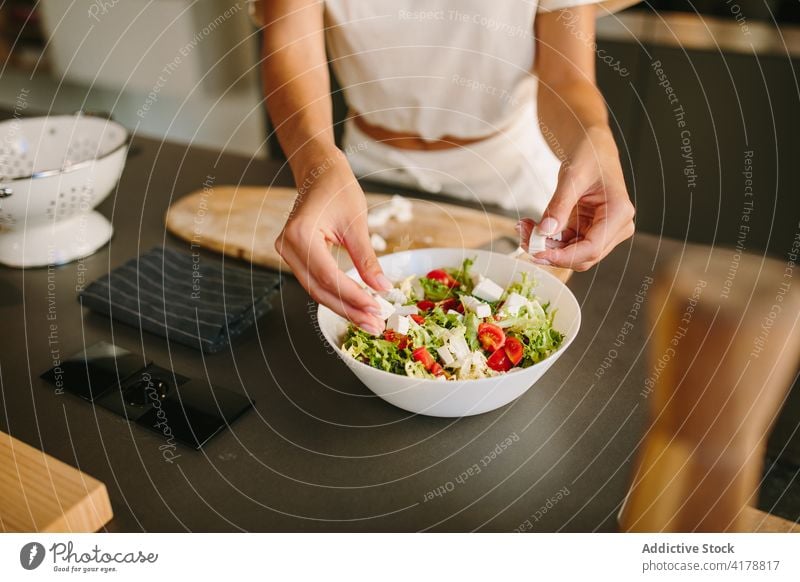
(548, 226)
(369, 328)
(384, 282)
(544, 262)
(373, 309)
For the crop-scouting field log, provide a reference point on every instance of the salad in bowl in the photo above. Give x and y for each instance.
(456, 324)
(467, 331)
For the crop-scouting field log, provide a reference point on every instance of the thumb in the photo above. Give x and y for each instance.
(556, 216)
(359, 247)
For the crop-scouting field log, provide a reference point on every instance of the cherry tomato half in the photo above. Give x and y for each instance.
(424, 357)
(418, 318)
(499, 361)
(514, 350)
(425, 305)
(490, 336)
(443, 277)
(451, 303)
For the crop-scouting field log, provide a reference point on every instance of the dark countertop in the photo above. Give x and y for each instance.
(320, 452)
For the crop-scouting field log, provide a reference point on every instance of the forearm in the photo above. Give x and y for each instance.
(570, 111)
(297, 84)
(570, 104)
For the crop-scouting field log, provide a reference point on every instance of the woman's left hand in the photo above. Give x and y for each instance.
(590, 208)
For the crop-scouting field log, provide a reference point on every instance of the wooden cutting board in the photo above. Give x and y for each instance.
(39, 493)
(244, 221)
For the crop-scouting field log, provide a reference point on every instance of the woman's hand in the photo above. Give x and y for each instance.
(331, 209)
(590, 207)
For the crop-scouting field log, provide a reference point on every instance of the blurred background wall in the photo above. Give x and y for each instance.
(185, 70)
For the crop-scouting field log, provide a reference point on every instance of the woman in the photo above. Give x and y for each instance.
(494, 101)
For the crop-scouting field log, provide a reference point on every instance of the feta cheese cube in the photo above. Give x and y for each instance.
(406, 309)
(417, 288)
(398, 323)
(484, 310)
(386, 308)
(477, 306)
(378, 242)
(404, 215)
(394, 295)
(535, 308)
(537, 243)
(379, 216)
(458, 346)
(445, 355)
(488, 290)
(513, 303)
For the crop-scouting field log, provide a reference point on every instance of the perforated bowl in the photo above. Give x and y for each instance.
(53, 172)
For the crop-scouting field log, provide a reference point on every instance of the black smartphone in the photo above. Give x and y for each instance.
(175, 406)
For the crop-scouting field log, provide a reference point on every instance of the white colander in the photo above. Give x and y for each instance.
(53, 172)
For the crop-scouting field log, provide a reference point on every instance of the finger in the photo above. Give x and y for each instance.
(357, 314)
(359, 247)
(322, 266)
(310, 259)
(556, 215)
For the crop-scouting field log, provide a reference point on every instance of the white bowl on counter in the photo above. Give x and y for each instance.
(458, 397)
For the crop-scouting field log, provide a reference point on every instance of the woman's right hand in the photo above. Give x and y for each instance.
(331, 209)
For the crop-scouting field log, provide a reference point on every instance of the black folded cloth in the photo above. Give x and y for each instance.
(187, 298)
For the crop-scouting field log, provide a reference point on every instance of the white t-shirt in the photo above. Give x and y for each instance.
(434, 68)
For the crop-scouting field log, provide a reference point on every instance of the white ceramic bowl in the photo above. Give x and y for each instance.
(462, 397)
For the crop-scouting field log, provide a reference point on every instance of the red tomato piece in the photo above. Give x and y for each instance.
(436, 369)
(499, 361)
(443, 277)
(418, 318)
(490, 336)
(514, 350)
(424, 357)
(396, 338)
(425, 305)
(450, 303)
